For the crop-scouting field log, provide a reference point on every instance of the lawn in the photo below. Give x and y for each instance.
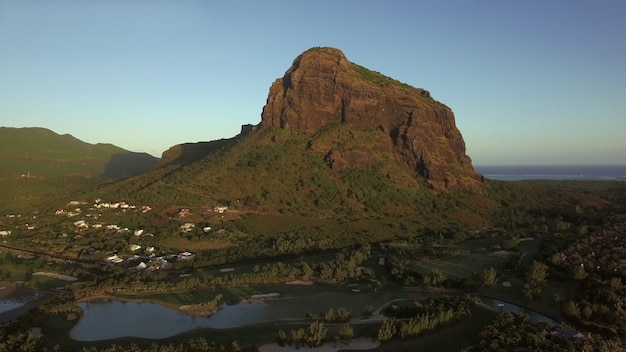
(462, 266)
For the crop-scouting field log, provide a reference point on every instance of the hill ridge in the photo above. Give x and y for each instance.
(43, 152)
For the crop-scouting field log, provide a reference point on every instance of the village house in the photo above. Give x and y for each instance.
(81, 224)
(114, 259)
(220, 209)
(185, 256)
(135, 247)
(187, 227)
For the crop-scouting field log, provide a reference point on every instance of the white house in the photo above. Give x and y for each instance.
(135, 247)
(220, 209)
(114, 259)
(81, 224)
(185, 256)
(186, 227)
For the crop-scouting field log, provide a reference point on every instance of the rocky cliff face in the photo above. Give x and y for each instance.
(322, 87)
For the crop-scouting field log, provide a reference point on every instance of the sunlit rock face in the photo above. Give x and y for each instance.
(322, 87)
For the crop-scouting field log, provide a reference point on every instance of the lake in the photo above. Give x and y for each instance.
(109, 319)
(8, 304)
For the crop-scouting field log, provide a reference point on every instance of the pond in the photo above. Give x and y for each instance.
(535, 316)
(109, 319)
(106, 319)
(9, 304)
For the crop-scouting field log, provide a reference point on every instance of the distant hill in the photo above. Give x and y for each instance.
(39, 152)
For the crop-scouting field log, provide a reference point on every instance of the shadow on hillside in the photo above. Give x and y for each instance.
(187, 153)
(129, 164)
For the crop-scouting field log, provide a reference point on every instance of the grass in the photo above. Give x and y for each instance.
(459, 267)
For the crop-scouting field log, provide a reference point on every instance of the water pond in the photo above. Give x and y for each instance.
(9, 304)
(109, 319)
(535, 316)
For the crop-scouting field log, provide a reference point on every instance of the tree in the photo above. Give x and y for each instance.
(368, 310)
(387, 330)
(281, 337)
(346, 332)
(343, 314)
(489, 277)
(434, 278)
(317, 333)
(535, 279)
(570, 308)
(579, 272)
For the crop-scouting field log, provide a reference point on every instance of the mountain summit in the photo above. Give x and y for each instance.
(322, 88)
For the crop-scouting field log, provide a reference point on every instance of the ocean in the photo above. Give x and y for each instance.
(551, 172)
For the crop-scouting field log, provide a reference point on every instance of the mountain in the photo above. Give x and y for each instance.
(323, 88)
(40, 152)
(335, 140)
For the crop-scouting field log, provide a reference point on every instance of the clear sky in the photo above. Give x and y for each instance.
(530, 82)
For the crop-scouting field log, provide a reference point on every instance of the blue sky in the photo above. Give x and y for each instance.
(530, 82)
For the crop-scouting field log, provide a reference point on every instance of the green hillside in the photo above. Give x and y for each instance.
(39, 152)
(40, 166)
(277, 171)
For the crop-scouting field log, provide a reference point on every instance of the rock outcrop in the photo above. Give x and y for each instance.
(322, 87)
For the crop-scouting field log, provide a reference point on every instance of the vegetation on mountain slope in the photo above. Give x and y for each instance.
(39, 152)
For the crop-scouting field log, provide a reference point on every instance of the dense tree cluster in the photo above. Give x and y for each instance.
(410, 321)
(514, 331)
(594, 262)
(312, 336)
(342, 267)
(61, 305)
(535, 280)
(331, 315)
